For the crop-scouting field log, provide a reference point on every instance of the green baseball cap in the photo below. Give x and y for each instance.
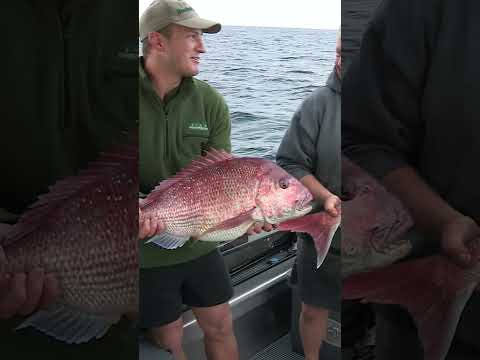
(161, 13)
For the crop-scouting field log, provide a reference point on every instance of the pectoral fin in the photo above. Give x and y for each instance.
(168, 241)
(235, 222)
(70, 325)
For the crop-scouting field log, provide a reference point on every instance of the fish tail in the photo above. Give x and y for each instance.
(432, 289)
(321, 226)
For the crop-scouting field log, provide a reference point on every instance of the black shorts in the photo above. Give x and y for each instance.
(201, 282)
(319, 287)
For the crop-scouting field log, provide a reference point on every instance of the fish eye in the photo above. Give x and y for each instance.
(283, 183)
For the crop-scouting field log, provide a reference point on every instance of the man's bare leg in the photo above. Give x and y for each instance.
(217, 326)
(169, 337)
(313, 329)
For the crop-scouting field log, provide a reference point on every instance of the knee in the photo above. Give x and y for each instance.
(219, 328)
(312, 314)
(168, 337)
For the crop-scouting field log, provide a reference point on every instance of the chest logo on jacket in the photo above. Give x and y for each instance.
(198, 126)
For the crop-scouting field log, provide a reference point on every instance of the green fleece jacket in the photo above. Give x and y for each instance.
(192, 118)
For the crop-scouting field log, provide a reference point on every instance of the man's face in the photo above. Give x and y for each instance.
(182, 50)
(338, 57)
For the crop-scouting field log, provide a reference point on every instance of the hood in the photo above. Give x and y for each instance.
(334, 83)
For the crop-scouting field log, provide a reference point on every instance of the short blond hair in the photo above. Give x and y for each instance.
(166, 31)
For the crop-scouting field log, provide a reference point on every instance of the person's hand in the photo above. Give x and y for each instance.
(259, 227)
(23, 293)
(332, 205)
(144, 228)
(460, 240)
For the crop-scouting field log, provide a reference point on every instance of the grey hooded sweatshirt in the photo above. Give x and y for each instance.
(311, 145)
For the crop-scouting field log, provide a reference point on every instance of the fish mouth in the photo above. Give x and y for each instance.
(305, 210)
(291, 214)
(304, 203)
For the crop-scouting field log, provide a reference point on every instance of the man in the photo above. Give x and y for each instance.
(410, 118)
(69, 87)
(310, 151)
(181, 117)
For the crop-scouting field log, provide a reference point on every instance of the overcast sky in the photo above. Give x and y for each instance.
(314, 14)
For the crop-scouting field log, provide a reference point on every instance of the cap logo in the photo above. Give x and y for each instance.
(183, 10)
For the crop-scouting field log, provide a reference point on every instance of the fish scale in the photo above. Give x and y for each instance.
(221, 203)
(188, 209)
(85, 232)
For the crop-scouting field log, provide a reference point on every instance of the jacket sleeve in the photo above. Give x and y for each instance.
(221, 131)
(382, 127)
(296, 153)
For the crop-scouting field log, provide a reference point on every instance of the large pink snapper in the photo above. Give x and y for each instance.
(218, 197)
(84, 231)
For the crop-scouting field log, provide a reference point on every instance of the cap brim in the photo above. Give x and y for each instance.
(206, 26)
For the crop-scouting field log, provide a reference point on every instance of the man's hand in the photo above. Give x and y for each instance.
(331, 202)
(434, 217)
(460, 240)
(259, 227)
(144, 228)
(23, 293)
(332, 205)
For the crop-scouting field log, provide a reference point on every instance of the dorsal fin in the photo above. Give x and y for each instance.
(99, 171)
(213, 156)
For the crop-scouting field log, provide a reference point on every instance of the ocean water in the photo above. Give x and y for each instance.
(264, 74)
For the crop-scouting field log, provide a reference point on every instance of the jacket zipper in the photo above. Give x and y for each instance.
(167, 144)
